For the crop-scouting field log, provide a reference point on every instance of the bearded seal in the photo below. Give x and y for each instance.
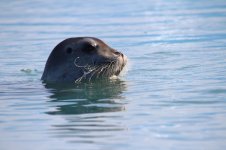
(75, 59)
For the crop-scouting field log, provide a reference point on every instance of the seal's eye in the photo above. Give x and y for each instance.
(88, 48)
(69, 50)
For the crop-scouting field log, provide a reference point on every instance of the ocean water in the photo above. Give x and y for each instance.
(172, 97)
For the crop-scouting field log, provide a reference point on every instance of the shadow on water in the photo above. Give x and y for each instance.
(89, 110)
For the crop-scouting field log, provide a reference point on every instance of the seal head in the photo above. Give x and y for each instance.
(75, 59)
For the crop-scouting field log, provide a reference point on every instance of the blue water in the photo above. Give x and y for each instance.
(173, 96)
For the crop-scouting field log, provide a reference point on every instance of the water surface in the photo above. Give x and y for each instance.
(172, 97)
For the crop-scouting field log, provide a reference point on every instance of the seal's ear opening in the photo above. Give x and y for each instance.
(69, 50)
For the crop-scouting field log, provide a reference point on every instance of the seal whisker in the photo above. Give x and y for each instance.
(111, 67)
(101, 69)
(86, 69)
(107, 71)
(108, 68)
(94, 72)
(77, 64)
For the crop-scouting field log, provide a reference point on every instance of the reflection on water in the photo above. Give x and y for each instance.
(82, 106)
(93, 97)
